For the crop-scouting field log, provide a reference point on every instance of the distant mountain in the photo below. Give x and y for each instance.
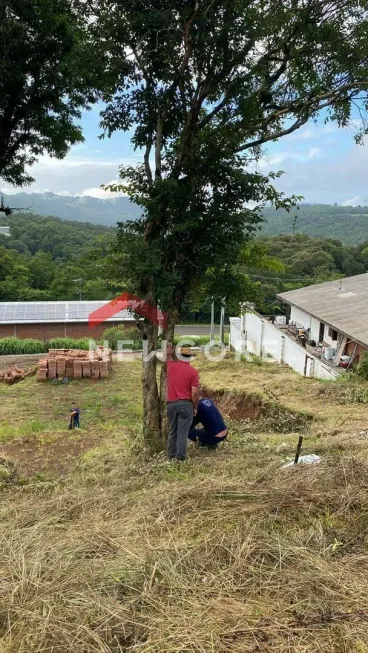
(349, 224)
(82, 209)
(346, 223)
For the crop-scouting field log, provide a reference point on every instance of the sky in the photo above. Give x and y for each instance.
(321, 162)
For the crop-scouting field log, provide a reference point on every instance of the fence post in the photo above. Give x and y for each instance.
(261, 339)
(243, 333)
(282, 353)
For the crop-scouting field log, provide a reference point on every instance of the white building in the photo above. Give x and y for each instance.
(334, 313)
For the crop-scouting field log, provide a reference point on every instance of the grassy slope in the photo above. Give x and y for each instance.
(225, 553)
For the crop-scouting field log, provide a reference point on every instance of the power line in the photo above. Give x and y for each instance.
(259, 276)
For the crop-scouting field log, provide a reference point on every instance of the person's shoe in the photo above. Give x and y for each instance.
(212, 447)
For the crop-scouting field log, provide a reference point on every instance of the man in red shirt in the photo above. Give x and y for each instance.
(182, 402)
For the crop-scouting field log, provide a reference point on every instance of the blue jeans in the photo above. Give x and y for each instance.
(203, 437)
(74, 424)
(180, 414)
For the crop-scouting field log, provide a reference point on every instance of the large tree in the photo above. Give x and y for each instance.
(47, 75)
(203, 85)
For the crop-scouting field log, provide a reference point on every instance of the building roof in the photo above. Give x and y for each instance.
(47, 312)
(342, 304)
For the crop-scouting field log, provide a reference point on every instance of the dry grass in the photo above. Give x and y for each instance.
(225, 553)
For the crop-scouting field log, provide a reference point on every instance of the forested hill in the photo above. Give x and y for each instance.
(82, 209)
(63, 240)
(349, 224)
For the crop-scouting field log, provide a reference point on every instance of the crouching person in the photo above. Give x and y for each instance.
(214, 428)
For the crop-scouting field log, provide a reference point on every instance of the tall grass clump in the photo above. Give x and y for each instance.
(13, 346)
(199, 341)
(69, 343)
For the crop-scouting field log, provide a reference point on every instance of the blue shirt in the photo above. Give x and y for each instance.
(210, 417)
(77, 413)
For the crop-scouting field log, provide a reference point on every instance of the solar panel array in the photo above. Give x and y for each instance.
(28, 312)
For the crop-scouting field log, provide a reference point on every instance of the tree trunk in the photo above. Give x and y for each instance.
(168, 336)
(151, 399)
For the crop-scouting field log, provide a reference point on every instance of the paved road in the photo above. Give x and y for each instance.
(197, 330)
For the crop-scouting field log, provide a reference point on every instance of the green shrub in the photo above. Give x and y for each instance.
(114, 334)
(61, 343)
(82, 343)
(12, 346)
(198, 341)
(69, 343)
(363, 367)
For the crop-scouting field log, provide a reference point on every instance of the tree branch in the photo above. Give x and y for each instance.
(158, 146)
(147, 163)
(309, 107)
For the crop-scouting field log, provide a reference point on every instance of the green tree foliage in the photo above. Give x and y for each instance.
(348, 224)
(306, 261)
(46, 78)
(43, 257)
(201, 87)
(62, 239)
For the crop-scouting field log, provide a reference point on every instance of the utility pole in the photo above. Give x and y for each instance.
(222, 320)
(80, 287)
(212, 334)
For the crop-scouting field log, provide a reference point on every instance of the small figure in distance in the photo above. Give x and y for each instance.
(214, 428)
(74, 417)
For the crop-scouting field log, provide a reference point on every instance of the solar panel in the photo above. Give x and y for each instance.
(24, 312)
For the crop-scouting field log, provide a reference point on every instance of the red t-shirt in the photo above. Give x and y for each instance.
(181, 378)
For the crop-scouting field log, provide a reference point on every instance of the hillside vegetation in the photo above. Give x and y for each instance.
(349, 224)
(43, 258)
(104, 550)
(80, 209)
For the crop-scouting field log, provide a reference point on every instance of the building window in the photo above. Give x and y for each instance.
(332, 334)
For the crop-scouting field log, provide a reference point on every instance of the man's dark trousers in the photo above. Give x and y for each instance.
(180, 414)
(204, 438)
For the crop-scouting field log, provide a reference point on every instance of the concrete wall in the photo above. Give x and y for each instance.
(314, 329)
(264, 338)
(235, 333)
(327, 338)
(300, 317)
(58, 330)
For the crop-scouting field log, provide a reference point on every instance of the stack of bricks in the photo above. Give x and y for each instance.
(75, 364)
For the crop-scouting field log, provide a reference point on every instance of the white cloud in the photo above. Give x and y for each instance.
(303, 134)
(314, 151)
(9, 190)
(73, 175)
(100, 193)
(354, 201)
(288, 156)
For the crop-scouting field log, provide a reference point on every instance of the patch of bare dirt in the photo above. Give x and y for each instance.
(30, 456)
(271, 415)
(23, 361)
(236, 406)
